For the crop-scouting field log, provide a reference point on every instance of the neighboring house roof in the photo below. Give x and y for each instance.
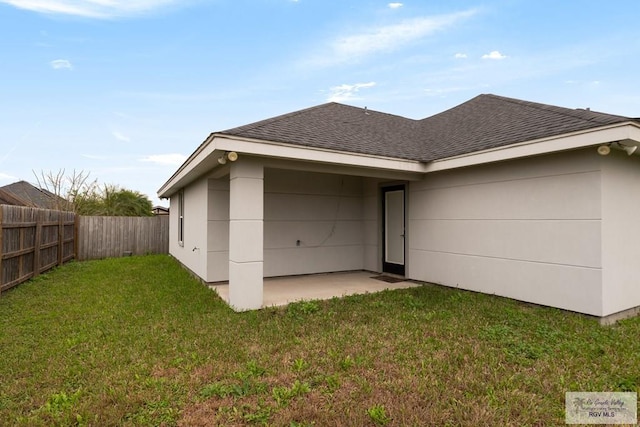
(30, 195)
(7, 198)
(160, 210)
(486, 121)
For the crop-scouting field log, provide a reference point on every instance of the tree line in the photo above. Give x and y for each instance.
(76, 192)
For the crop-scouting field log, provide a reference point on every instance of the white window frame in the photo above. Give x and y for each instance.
(181, 217)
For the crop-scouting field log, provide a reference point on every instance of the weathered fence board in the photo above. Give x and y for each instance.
(32, 241)
(112, 236)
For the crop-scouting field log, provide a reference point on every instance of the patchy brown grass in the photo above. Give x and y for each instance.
(136, 341)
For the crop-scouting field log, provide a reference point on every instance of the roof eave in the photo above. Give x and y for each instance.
(190, 169)
(628, 132)
(204, 160)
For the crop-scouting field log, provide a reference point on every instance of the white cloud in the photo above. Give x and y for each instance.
(394, 36)
(7, 177)
(583, 82)
(386, 38)
(93, 157)
(120, 137)
(395, 5)
(494, 55)
(173, 159)
(460, 55)
(347, 92)
(444, 91)
(61, 64)
(91, 8)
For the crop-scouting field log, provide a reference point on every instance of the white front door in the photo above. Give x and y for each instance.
(394, 229)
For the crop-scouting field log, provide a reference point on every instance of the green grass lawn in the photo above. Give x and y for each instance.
(137, 341)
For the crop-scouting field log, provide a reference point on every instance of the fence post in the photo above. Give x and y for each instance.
(76, 236)
(60, 237)
(23, 218)
(37, 243)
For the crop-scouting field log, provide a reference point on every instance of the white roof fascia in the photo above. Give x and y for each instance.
(313, 154)
(205, 158)
(622, 132)
(180, 177)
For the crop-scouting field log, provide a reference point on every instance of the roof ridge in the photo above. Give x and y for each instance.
(398, 116)
(261, 123)
(384, 113)
(264, 122)
(574, 113)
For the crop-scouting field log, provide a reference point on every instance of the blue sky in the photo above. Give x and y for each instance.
(125, 90)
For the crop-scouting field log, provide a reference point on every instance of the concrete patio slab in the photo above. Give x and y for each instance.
(280, 291)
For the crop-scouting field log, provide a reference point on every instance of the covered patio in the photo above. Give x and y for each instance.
(274, 218)
(279, 291)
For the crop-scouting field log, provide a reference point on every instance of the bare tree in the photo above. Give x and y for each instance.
(79, 194)
(68, 192)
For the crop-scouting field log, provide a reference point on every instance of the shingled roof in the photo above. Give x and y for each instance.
(28, 195)
(340, 127)
(490, 121)
(486, 121)
(7, 198)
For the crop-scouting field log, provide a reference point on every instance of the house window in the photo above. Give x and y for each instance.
(181, 217)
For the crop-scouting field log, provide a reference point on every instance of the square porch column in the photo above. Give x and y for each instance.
(246, 212)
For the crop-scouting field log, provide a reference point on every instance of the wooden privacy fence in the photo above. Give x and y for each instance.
(115, 236)
(32, 241)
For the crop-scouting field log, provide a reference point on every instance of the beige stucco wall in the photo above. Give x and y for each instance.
(194, 251)
(528, 229)
(556, 230)
(371, 220)
(217, 230)
(335, 217)
(620, 231)
(323, 211)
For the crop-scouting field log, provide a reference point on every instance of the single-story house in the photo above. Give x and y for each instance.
(497, 195)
